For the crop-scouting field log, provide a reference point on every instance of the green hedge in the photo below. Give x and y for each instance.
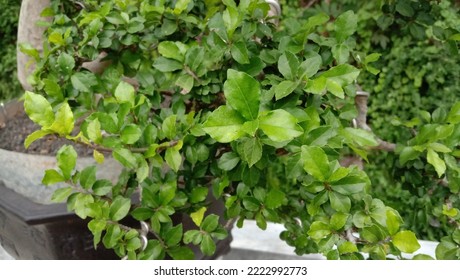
(9, 14)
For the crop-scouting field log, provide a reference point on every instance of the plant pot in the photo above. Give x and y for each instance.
(32, 227)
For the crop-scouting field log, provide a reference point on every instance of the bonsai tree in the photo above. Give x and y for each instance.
(203, 100)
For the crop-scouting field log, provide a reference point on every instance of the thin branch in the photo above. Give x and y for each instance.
(361, 121)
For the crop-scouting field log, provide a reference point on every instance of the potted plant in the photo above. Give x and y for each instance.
(210, 99)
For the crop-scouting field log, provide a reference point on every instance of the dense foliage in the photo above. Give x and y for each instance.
(9, 14)
(201, 98)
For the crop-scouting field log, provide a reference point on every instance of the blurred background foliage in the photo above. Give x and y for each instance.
(9, 14)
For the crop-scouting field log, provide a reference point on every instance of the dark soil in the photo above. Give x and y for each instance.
(15, 131)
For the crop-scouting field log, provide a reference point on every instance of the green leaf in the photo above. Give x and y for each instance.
(311, 65)
(180, 6)
(335, 88)
(164, 64)
(93, 130)
(193, 236)
(181, 253)
(130, 134)
(340, 202)
(66, 62)
(169, 127)
(198, 215)
(52, 88)
(198, 194)
(440, 148)
(338, 220)
(142, 213)
(288, 65)
(454, 114)
(347, 247)
(240, 52)
(343, 74)
(446, 250)
(125, 157)
(275, 199)
(242, 93)
(228, 161)
(284, 88)
(35, 136)
(125, 93)
(345, 25)
(438, 164)
(169, 49)
(186, 82)
(173, 159)
(250, 150)
(360, 137)
(408, 154)
(315, 162)
(142, 171)
(280, 126)
(404, 7)
(66, 160)
(119, 208)
(64, 120)
(61, 194)
(52, 177)
(261, 222)
(174, 235)
(319, 230)
(83, 81)
(167, 193)
(349, 185)
(208, 247)
(38, 109)
(56, 38)
(341, 53)
(316, 86)
(102, 187)
(406, 241)
(88, 177)
(224, 125)
(210, 223)
(393, 220)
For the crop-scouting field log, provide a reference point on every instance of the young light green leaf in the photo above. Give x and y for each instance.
(197, 216)
(343, 74)
(338, 220)
(408, 154)
(119, 208)
(341, 53)
(393, 220)
(38, 109)
(438, 164)
(93, 130)
(125, 93)
(406, 241)
(66, 160)
(52, 177)
(169, 127)
(61, 194)
(288, 65)
(315, 162)
(64, 120)
(319, 230)
(35, 136)
(280, 126)
(224, 125)
(242, 93)
(454, 114)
